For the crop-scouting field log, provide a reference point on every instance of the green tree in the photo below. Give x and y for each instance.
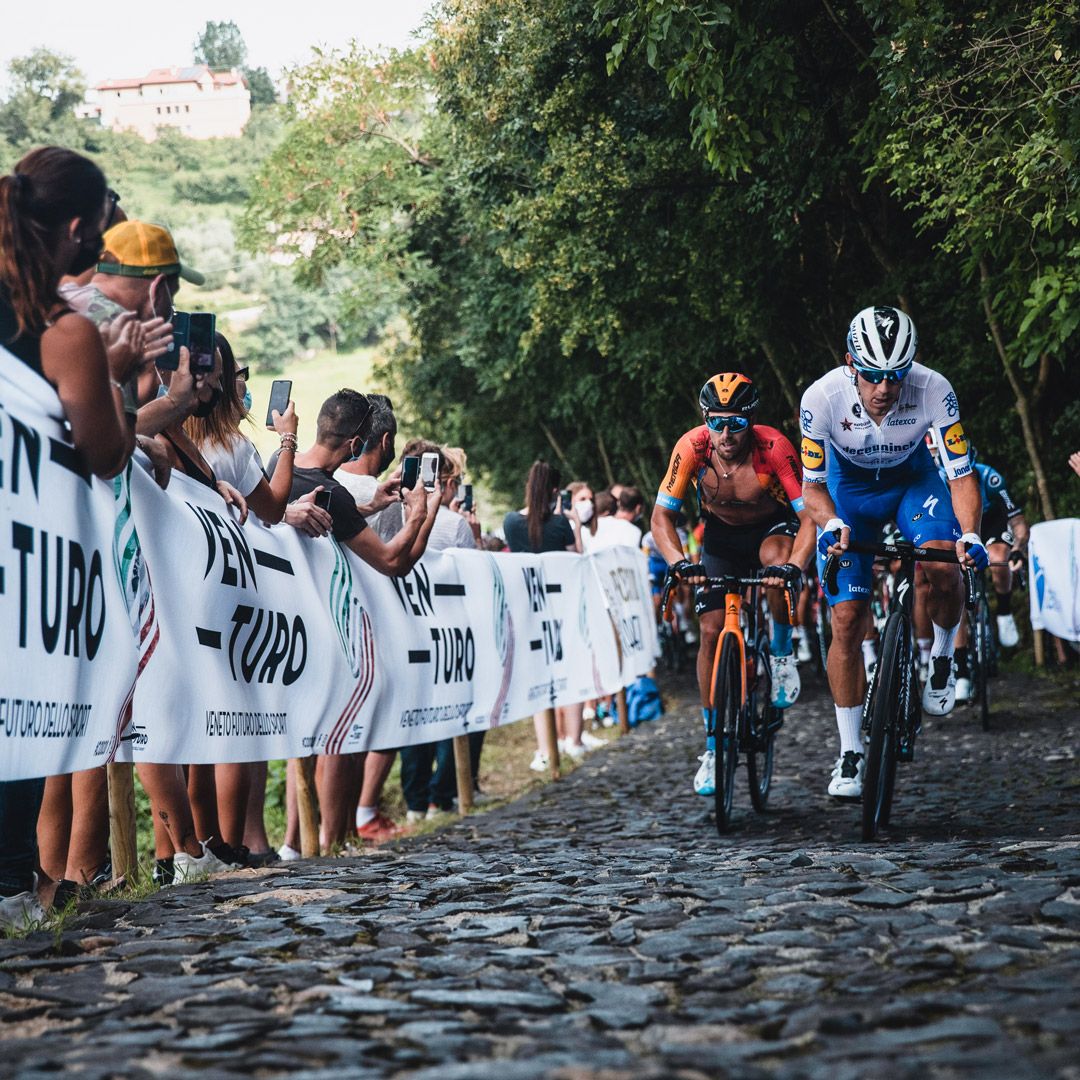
(45, 88)
(220, 46)
(260, 85)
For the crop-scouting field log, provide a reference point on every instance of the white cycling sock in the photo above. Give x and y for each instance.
(924, 650)
(944, 641)
(849, 723)
(364, 814)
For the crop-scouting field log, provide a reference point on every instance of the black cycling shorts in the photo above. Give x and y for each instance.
(734, 549)
(995, 526)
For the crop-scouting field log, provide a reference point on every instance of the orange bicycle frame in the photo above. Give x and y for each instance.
(733, 602)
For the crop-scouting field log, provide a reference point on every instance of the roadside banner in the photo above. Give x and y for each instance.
(1054, 577)
(149, 625)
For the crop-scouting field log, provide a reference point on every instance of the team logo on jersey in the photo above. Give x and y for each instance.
(807, 420)
(952, 406)
(956, 441)
(673, 475)
(845, 424)
(813, 454)
(856, 409)
(993, 480)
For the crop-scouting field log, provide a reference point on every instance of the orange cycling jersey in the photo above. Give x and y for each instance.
(775, 464)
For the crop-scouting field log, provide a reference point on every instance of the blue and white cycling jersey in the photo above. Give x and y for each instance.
(883, 472)
(992, 487)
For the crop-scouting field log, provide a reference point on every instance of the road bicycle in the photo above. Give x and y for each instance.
(672, 648)
(892, 711)
(983, 645)
(744, 720)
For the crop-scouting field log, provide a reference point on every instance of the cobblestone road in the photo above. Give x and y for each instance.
(599, 928)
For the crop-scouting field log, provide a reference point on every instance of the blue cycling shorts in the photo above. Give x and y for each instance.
(658, 569)
(912, 494)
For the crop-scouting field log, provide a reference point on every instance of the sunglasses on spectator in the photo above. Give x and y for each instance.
(872, 375)
(734, 423)
(242, 373)
(113, 200)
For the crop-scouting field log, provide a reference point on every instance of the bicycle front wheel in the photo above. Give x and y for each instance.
(884, 717)
(727, 702)
(982, 646)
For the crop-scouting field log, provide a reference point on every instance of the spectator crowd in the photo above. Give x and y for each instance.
(88, 302)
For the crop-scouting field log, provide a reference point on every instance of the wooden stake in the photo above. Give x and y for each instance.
(624, 714)
(463, 768)
(552, 742)
(122, 843)
(307, 806)
(1040, 648)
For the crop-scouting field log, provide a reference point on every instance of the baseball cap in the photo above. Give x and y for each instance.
(144, 250)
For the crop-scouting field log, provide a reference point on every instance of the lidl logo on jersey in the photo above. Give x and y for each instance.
(813, 454)
(956, 441)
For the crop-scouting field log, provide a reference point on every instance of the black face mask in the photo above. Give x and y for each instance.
(205, 408)
(87, 256)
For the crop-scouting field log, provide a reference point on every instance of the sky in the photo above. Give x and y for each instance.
(122, 38)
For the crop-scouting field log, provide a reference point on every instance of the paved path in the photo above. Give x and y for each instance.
(599, 928)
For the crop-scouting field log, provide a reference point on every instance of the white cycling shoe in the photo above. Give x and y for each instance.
(939, 693)
(786, 683)
(1008, 635)
(847, 776)
(705, 780)
(963, 689)
(803, 654)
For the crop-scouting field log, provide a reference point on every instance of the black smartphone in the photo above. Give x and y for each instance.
(279, 399)
(202, 326)
(322, 500)
(466, 496)
(181, 326)
(565, 496)
(410, 472)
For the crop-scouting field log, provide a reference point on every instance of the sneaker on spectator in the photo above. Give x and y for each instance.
(539, 762)
(188, 868)
(574, 751)
(379, 829)
(288, 854)
(23, 911)
(414, 817)
(588, 714)
(591, 741)
(263, 858)
(1008, 634)
(436, 813)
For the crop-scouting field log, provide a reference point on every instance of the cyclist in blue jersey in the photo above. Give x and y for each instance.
(865, 463)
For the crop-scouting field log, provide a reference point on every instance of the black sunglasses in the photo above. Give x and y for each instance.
(114, 201)
(242, 373)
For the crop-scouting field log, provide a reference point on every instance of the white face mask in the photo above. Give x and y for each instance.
(584, 510)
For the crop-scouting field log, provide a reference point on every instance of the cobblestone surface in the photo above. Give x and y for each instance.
(599, 928)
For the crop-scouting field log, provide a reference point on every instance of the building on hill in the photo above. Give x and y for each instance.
(201, 103)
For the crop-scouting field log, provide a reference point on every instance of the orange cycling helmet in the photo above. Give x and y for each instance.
(731, 391)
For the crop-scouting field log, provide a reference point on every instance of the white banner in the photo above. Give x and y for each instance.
(1054, 577)
(147, 625)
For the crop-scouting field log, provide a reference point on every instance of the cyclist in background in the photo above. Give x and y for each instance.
(748, 487)
(865, 463)
(658, 569)
(1006, 532)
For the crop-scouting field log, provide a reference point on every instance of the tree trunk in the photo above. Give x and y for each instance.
(557, 448)
(604, 458)
(1023, 407)
(783, 380)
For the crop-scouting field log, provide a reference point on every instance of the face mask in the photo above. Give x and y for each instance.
(247, 401)
(205, 408)
(87, 256)
(584, 511)
(162, 390)
(359, 453)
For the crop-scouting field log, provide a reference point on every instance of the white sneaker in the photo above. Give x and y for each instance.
(689, 636)
(288, 854)
(963, 689)
(574, 751)
(413, 817)
(23, 911)
(1008, 635)
(804, 655)
(591, 741)
(939, 693)
(539, 762)
(588, 714)
(705, 780)
(435, 813)
(786, 683)
(187, 868)
(847, 776)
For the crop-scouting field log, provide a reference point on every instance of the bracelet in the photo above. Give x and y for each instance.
(288, 442)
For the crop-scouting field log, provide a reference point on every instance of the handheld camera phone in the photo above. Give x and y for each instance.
(429, 470)
(279, 399)
(410, 472)
(466, 497)
(181, 324)
(201, 329)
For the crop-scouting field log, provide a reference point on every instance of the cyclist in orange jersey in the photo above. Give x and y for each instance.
(749, 488)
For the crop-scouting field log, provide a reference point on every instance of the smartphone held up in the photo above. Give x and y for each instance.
(280, 392)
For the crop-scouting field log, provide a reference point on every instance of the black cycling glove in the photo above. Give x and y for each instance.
(685, 570)
(789, 572)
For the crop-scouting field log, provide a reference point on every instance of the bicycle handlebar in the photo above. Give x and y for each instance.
(901, 550)
(728, 584)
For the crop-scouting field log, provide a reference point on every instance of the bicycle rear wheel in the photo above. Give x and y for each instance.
(884, 716)
(763, 722)
(727, 702)
(822, 631)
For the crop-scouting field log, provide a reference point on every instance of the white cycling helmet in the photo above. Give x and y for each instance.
(883, 338)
